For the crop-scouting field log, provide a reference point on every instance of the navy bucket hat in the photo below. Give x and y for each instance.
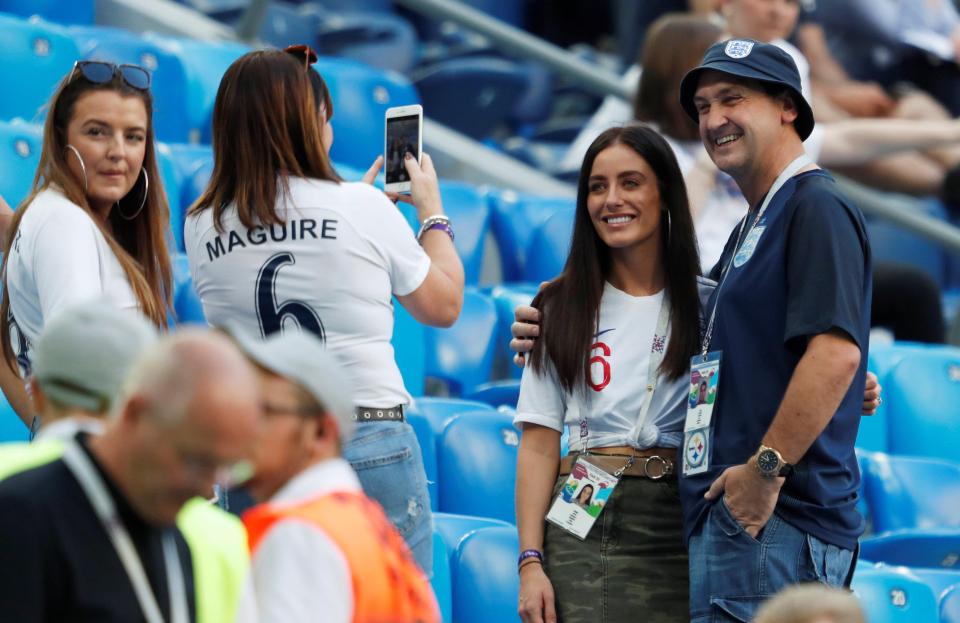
(746, 58)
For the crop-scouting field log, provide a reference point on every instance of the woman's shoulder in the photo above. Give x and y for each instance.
(53, 206)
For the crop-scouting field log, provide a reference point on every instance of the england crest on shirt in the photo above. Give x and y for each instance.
(748, 247)
(738, 48)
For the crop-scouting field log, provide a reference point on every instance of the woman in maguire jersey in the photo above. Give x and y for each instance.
(619, 326)
(96, 223)
(278, 242)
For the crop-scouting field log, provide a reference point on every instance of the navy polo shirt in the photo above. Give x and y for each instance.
(809, 273)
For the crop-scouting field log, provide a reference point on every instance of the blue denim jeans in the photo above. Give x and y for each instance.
(387, 459)
(732, 573)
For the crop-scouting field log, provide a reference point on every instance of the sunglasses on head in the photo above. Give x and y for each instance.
(101, 72)
(302, 52)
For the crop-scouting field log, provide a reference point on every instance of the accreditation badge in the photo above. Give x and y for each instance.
(582, 498)
(702, 397)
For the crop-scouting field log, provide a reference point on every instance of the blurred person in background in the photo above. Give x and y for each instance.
(318, 544)
(95, 225)
(277, 242)
(90, 536)
(811, 603)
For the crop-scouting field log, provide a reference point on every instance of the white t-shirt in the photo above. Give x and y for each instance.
(59, 258)
(618, 379)
(330, 269)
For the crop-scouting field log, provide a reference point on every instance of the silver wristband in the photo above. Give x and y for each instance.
(439, 221)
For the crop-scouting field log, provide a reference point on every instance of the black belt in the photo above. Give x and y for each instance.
(375, 414)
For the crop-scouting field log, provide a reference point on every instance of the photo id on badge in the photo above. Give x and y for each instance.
(582, 498)
(697, 430)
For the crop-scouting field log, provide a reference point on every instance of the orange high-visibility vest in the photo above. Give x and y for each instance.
(388, 586)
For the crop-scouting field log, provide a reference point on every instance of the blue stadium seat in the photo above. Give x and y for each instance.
(204, 62)
(441, 582)
(497, 393)
(485, 581)
(890, 243)
(428, 451)
(170, 174)
(909, 492)
(453, 528)
(285, 24)
(469, 212)
(922, 394)
(11, 427)
(940, 581)
(441, 411)
(549, 247)
(914, 548)
(472, 94)
(361, 96)
(375, 37)
(190, 159)
(409, 349)
(20, 145)
(223, 10)
(514, 219)
(168, 78)
(950, 606)
(894, 596)
(73, 12)
(477, 455)
(36, 57)
(506, 297)
(186, 303)
(462, 355)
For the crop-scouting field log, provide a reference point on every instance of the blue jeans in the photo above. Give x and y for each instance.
(732, 573)
(387, 459)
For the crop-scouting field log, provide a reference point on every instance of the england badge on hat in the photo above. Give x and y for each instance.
(737, 48)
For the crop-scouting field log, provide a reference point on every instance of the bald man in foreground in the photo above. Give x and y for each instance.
(91, 537)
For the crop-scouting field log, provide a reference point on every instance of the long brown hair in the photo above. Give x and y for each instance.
(570, 304)
(140, 245)
(664, 64)
(266, 128)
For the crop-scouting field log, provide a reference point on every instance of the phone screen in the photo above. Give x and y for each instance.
(403, 135)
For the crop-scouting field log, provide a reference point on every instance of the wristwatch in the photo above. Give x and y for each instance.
(770, 463)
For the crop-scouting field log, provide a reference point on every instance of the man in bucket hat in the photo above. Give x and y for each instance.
(770, 477)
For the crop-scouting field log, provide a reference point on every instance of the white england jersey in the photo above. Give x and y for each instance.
(330, 269)
(59, 258)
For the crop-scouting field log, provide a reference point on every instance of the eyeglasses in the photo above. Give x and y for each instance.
(302, 51)
(101, 72)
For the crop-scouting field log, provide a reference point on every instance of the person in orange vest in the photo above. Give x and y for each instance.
(320, 548)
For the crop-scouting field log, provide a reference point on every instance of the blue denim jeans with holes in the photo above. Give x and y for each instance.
(387, 459)
(732, 573)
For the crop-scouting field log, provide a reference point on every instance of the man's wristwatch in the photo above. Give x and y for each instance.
(770, 463)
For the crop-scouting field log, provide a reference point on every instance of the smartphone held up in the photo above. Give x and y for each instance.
(404, 133)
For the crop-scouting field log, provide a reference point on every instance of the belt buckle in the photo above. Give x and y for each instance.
(663, 467)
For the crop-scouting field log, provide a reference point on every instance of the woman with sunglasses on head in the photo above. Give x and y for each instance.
(620, 325)
(278, 242)
(95, 225)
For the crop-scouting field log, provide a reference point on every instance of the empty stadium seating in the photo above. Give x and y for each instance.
(20, 145)
(506, 297)
(441, 582)
(11, 427)
(950, 606)
(36, 56)
(894, 596)
(497, 393)
(74, 12)
(514, 219)
(549, 247)
(408, 348)
(922, 394)
(428, 452)
(462, 356)
(477, 454)
(484, 574)
(914, 548)
(909, 492)
(186, 303)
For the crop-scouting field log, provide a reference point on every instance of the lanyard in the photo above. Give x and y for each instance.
(96, 491)
(657, 348)
(789, 171)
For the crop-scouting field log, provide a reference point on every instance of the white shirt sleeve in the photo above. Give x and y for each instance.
(541, 399)
(406, 261)
(298, 576)
(66, 261)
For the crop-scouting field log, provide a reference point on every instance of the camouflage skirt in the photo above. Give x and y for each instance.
(633, 565)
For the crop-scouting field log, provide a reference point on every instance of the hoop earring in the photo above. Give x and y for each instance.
(143, 202)
(83, 167)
